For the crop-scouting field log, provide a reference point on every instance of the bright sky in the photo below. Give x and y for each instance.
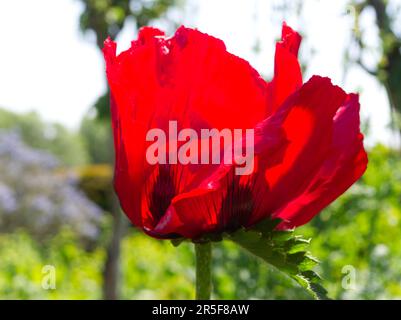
(47, 65)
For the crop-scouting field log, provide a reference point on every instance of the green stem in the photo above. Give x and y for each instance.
(203, 252)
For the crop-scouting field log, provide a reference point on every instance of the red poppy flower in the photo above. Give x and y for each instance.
(308, 145)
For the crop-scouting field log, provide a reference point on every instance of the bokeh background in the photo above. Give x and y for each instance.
(57, 207)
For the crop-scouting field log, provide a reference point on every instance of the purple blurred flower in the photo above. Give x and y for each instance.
(41, 197)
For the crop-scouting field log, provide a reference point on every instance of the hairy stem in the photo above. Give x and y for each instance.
(203, 252)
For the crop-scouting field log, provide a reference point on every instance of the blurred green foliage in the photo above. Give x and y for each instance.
(96, 181)
(96, 134)
(151, 269)
(66, 145)
(22, 260)
(361, 231)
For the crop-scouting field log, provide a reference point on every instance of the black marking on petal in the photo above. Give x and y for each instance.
(237, 206)
(162, 193)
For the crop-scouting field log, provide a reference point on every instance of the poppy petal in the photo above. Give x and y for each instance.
(189, 78)
(287, 71)
(346, 164)
(289, 146)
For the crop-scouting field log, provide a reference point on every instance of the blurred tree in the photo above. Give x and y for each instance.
(96, 135)
(107, 18)
(387, 68)
(67, 146)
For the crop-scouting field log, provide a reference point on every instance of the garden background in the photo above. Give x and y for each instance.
(57, 207)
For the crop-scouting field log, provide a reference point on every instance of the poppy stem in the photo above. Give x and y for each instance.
(203, 252)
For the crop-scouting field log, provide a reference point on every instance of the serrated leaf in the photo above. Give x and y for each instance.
(311, 285)
(283, 250)
(307, 263)
(282, 235)
(266, 226)
(297, 244)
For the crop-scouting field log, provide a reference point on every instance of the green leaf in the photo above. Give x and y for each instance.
(282, 235)
(283, 250)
